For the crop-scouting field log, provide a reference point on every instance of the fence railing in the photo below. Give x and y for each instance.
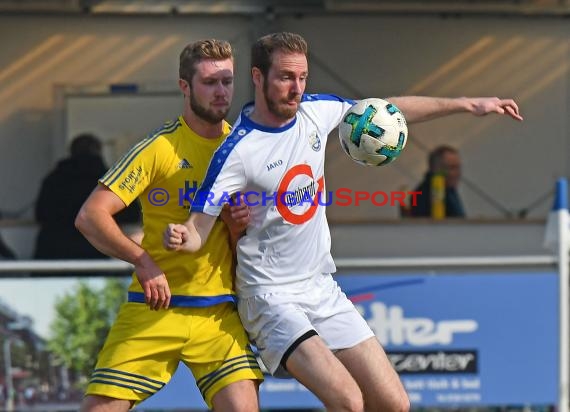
(110, 267)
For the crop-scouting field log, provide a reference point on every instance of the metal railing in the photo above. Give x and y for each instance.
(11, 268)
(444, 262)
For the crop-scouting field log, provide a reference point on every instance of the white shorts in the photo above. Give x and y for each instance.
(278, 321)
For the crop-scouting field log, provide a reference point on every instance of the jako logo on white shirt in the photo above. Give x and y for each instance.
(392, 328)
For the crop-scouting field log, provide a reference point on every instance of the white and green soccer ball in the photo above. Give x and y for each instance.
(373, 132)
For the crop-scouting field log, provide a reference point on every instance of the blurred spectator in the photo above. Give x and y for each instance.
(62, 193)
(30, 395)
(5, 251)
(445, 161)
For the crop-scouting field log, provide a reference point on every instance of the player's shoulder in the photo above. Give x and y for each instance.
(318, 105)
(165, 136)
(172, 129)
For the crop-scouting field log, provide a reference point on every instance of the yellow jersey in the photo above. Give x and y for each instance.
(164, 171)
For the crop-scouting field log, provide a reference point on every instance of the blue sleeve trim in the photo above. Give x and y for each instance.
(333, 97)
(181, 301)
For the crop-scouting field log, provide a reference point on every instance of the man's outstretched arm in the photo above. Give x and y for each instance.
(422, 108)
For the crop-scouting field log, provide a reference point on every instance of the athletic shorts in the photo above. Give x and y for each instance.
(144, 347)
(276, 322)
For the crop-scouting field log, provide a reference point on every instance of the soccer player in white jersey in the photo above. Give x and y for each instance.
(299, 319)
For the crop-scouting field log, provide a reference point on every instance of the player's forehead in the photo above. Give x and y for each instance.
(283, 62)
(213, 68)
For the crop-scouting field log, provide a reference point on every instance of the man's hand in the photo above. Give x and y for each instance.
(153, 281)
(174, 237)
(485, 105)
(236, 217)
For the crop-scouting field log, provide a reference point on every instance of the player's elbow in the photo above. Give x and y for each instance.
(82, 220)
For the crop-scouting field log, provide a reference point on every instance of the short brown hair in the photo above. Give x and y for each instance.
(85, 144)
(436, 155)
(195, 52)
(263, 49)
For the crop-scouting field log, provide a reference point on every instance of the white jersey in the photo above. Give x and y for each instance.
(281, 173)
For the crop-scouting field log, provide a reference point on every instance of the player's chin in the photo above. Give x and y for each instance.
(221, 107)
(288, 110)
(219, 114)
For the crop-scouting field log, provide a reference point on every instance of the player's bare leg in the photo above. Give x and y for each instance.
(379, 382)
(241, 396)
(95, 403)
(316, 367)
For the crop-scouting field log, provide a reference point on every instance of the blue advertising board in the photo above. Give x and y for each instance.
(457, 339)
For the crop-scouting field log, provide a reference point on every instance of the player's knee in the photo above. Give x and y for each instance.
(402, 404)
(349, 402)
(356, 404)
(241, 396)
(97, 403)
(405, 407)
(390, 402)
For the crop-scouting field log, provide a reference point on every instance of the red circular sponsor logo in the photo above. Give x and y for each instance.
(284, 209)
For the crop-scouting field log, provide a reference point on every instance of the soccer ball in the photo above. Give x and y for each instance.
(373, 132)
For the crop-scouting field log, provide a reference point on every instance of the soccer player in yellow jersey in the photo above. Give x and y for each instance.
(193, 318)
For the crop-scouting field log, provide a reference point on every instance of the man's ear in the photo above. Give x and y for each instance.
(184, 87)
(256, 76)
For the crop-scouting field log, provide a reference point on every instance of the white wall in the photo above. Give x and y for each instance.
(40, 53)
(515, 163)
(355, 56)
(453, 237)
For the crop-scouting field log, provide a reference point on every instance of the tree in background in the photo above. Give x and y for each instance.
(82, 321)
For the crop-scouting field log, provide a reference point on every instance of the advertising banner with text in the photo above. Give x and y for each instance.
(456, 339)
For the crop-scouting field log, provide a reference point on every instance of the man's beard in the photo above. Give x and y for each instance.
(206, 114)
(283, 112)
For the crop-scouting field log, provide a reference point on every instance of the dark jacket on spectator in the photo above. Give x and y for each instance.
(62, 194)
(453, 204)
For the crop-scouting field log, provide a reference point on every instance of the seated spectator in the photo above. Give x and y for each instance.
(5, 251)
(62, 193)
(443, 160)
